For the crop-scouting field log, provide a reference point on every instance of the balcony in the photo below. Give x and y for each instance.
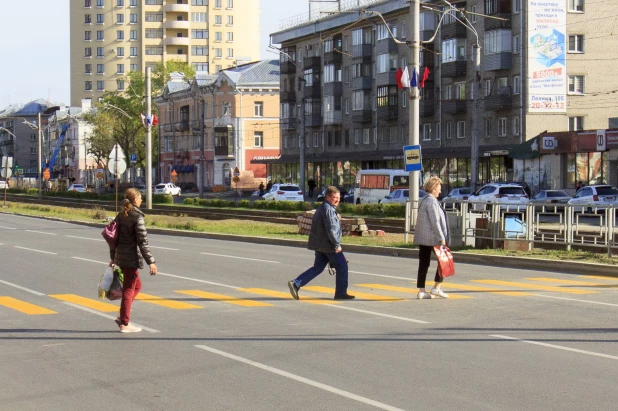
(362, 50)
(288, 123)
(497, 61)
(224, 151)
(177, 41)
(314, 91)
(225, 121)
(314, 62)
(177, 24)
(361, 83)
(313, 120)
(332, 57)
(287, 67)
(333, 88)
(386, 46)
(167, 127)
(454, 30)
(332, 117)
(454, 106)
(427, 108)
(495, 24)
(287, 97)
(179, 8)
(362, 116)
(386, 79)
(388, 113)
(181, 57)
(501, 101)
(181, 126)
(454, 69)
(195, 125)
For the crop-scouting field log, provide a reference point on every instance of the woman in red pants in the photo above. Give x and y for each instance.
(132, 248)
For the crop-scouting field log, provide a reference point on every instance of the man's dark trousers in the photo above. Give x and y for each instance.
(337, 261)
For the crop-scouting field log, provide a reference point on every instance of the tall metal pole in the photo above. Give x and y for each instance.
(415, 26)
(202, 164)
(474, 154)
(302, 135)
(39, 169)
(148, 143)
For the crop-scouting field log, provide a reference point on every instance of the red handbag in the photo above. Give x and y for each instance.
(446, 266)
(110, 234)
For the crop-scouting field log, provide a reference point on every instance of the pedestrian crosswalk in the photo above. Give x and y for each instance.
(197, 299)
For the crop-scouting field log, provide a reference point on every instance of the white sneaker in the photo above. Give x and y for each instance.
(439, 293)
(130, 328)
(424, 296)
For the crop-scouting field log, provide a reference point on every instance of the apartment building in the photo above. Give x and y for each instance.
(228, 119)
(110, 38)
(543, 68)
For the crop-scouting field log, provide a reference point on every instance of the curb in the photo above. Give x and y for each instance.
(570, 267)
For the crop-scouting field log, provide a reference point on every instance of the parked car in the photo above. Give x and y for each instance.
(287, 192)
(349, 196)
(320, 197)
(77, 187)
(519, 183)
(190, 186)
(499, 193)
(400, 195)
(549, 197)
(4, 184)
(167, 188)
(595, 196)
(454, 198)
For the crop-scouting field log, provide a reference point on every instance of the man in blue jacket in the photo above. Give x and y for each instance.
(325, 239)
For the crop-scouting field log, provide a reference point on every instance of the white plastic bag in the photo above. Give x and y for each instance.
(106, 282)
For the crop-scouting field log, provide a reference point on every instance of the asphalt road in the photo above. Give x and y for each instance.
(222, 333)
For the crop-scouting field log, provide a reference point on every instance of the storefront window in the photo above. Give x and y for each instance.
(590, 168)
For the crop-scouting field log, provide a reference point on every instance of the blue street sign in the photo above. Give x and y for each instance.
(133, 158)
(412, 157)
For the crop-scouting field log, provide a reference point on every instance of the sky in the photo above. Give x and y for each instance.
(35, 52)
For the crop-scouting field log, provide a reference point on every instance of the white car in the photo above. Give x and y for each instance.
(454, 198)
(167, 188)
(4, 184)
(595, 196)
(77, 187)
(400, 196)
(506, 195)
(284, 192)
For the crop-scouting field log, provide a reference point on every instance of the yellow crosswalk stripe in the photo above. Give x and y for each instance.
(224, 298)
(406, 290)
(164, 302)
(287, 296)
(572, 282)
(600, 277)
(87, 302)
(364, 296)
(24, 307)
(535, 287)
(486, 290)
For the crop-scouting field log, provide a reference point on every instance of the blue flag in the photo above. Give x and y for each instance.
(414, 81)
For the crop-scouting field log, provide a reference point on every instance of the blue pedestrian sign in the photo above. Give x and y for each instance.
(412, 157)
(133, 158)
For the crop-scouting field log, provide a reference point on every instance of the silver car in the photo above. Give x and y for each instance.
(597, 196)
(400, 196)
(454, 198)
(551, 198)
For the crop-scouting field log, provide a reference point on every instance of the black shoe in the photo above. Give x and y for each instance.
(293, 289)
(344, 297)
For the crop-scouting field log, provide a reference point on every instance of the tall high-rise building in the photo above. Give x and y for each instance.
(110, 38)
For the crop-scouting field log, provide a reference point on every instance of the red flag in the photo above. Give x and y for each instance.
(425, 77)
(155, 120)
(398, 75)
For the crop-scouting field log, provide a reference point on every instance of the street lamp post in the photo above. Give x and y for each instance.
(132, 134)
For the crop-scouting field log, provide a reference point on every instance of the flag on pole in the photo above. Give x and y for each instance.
(155, 120)
(398, 75)
(148, 120)
(425, 77)
(405, 78)
(414, 82)
(143, 119)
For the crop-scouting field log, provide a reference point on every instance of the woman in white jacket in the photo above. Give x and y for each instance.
(431, 230)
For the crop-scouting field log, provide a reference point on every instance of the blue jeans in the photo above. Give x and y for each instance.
(337, 261)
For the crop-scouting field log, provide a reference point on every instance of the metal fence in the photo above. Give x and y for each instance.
(524, 227)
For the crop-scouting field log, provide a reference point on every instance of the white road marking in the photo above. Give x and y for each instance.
(32, 249)
(164, 248)
(574, 299)
(395, 317)
(197, 280)
(383, 276)
(40, 232)
(304, 380)
(22, 288)
(558, 347)
(8, 228)
(242, 258)
(91, 261)
(111, 317)
(85, 238)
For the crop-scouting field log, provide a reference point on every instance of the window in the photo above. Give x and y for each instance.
(119, 34)
(576, 84)
(198, 2)
(218, 36)
(119, 18)
(498, 41)
(347, 106)
(120, 84)
(387, 96)
(382, 31)
(230, 52)
(426, 132)
(516, 85)
(258, 139)
(120, 3)
(453, 50)
(119, 51)
(133, 34)
(230, 4)
(154, 2)
(100, 19)
(133, 3)
(100, 68)
(436, 133)
(199, 34)
(100, 35)
(473, 10)
(449, 130)
(218, 4)
(100, 3)
(154, 33)
(88, 69)
(219, 53)
(460, 91)
(516, 6)
(502, 126)
(151, 51)
(100, 51)
(230, 20)
(516, 45)
(154, 18)
(218, 20)
(134, 67)
(491, 6)
(226, 109)
(576, 123)
(200, 67)
(100, 85)
(316, 139)
(387, 62)
(198, 17)
(119, 68)
(87, 3)
(366, 135)
(133, 18)
(357, 134)
(576, 43)
(199, 50)
(576, 6)
(258, 109)
(404, 30)
(404, 100)
(487, 88)
(515, 126)
(87, 19)
(332, 73)
(218, 68)
(461, 129)
(87, 35)
(88, 85)
(487, 127)
(230, 36)
(447, 93)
